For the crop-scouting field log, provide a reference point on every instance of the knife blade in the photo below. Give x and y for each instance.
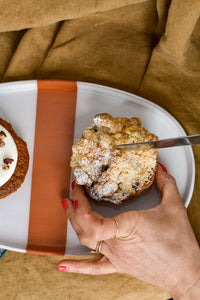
(164, 143)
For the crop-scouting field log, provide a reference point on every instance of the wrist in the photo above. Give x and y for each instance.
(188, 291)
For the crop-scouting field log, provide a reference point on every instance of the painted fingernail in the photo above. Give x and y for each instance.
(62, 268)
(75, 204)
(73, 184)
(64, 204)
(163, 167)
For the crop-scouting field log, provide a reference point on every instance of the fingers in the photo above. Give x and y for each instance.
(94, 266)
(89, 225)
(79, 195)
(167, 187)
(95, 225)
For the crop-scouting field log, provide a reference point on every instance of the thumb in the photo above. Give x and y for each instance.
(167, 187)
(94, 266)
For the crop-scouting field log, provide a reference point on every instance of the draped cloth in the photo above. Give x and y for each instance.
(150, 48)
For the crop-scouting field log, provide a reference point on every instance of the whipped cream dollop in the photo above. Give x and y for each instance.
(8, 155)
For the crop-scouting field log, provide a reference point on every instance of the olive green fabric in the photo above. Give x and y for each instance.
(150, 48)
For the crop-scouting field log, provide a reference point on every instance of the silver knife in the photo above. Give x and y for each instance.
(165, 143)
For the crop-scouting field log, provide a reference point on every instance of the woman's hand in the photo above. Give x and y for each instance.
(156, 245)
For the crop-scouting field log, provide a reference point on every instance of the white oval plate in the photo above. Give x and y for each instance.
(18, 105)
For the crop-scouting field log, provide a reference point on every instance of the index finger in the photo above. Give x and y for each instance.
(94, 225)
(78, 194)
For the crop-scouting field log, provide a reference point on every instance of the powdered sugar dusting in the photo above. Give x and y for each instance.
(109, 174)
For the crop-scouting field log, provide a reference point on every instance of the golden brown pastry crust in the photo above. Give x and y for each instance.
(22, 163)
(88, 192)
(109, 174)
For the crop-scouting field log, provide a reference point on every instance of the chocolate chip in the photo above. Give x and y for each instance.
(105, 168)
(135, 185)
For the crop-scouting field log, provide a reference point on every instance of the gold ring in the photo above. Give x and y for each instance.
(117, 224)
(98, 247)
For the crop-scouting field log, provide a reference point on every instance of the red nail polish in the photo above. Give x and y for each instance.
(64, 204)
(163, 167)
(62, 268)
(75, 204)
(73, 184)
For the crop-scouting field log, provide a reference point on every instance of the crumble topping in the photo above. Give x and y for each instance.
(110, 174)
